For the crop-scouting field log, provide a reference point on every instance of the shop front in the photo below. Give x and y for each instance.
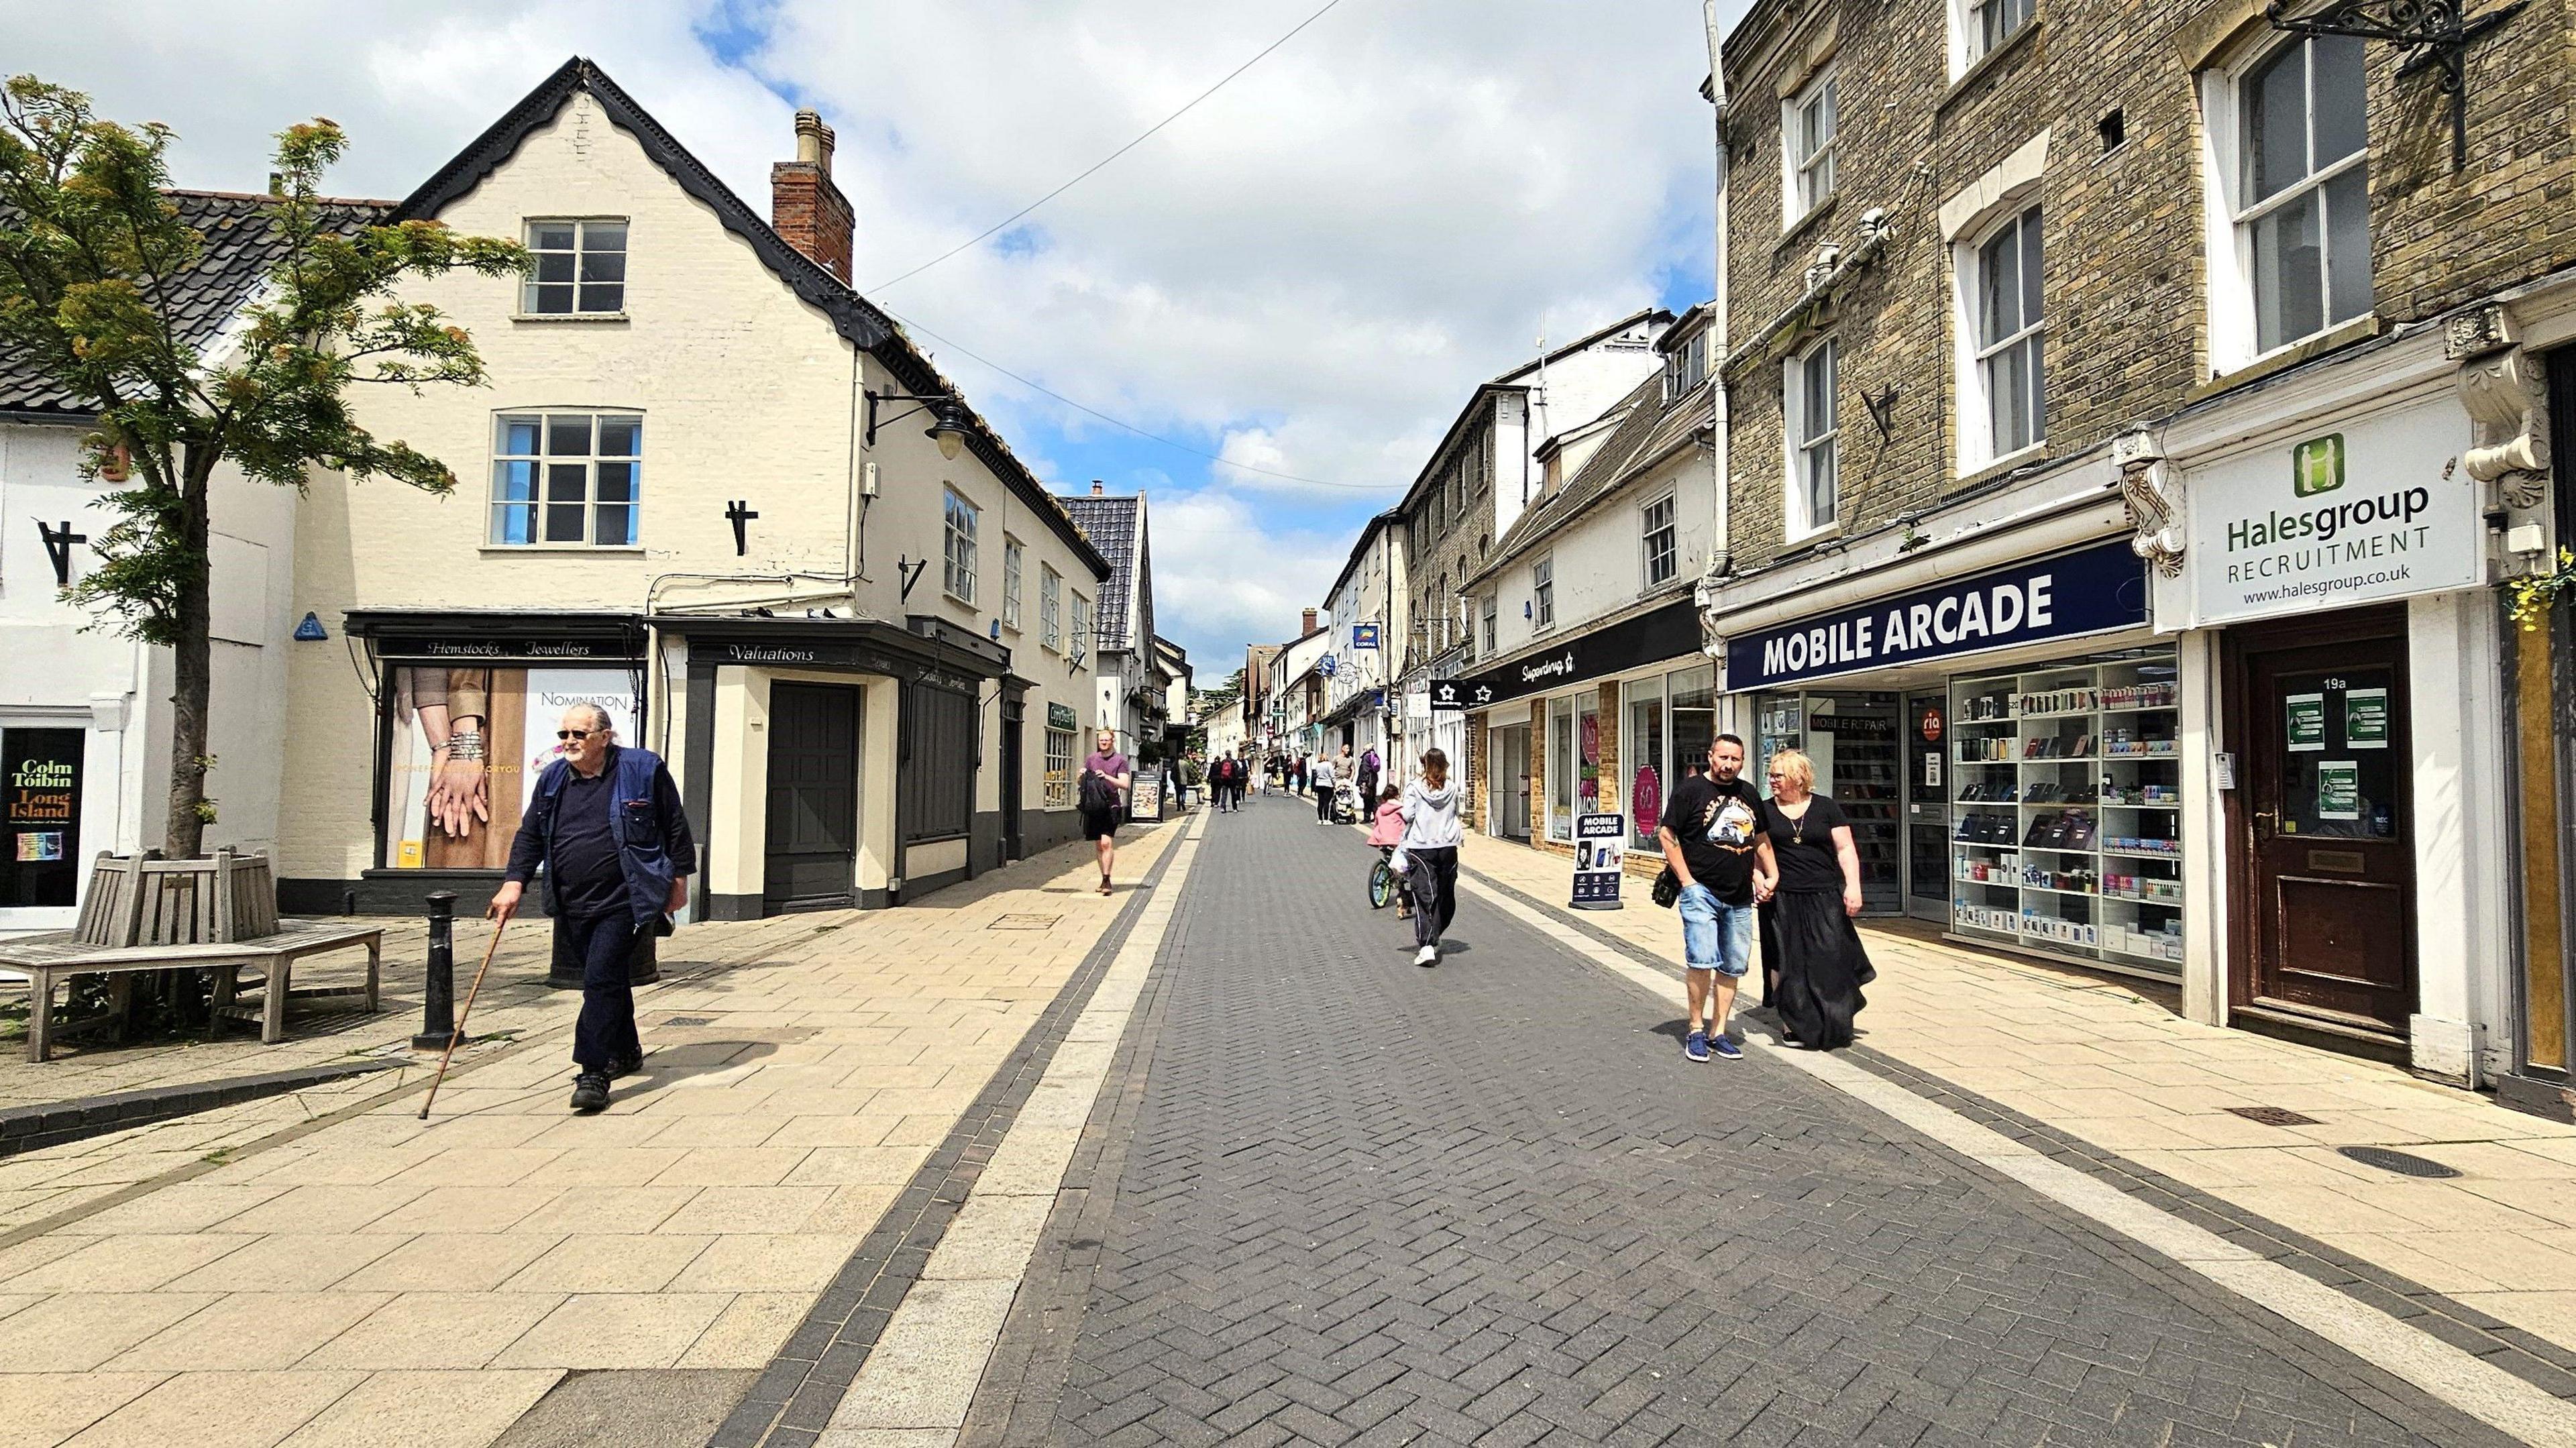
(2007, 744)
(2333, 572)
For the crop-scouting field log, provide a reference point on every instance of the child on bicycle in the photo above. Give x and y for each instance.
(1386, 831)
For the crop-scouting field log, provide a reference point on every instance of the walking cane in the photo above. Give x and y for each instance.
(458, 1033)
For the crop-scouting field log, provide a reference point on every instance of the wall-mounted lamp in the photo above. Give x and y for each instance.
(947, 419)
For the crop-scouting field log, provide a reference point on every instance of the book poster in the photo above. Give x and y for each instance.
(2338, 789)
(2306, 714)
(2365, 719)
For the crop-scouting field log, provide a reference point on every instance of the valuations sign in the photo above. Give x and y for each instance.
(2091, 590)
(2375, 508)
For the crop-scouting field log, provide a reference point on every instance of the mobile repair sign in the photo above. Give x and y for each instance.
(2092, 590)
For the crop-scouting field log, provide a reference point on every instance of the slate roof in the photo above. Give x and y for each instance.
(1111, 525)
(1650, 429)
(865, 325)
(240, 249)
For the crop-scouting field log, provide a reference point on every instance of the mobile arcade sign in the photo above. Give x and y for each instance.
(2092, 590)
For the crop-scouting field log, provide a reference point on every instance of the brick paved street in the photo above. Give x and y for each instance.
(1358, 1201)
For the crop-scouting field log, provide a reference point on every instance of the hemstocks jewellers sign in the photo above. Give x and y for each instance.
(2092, 590)
(2376, 509)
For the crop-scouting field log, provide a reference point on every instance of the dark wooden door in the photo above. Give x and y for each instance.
(2324, 823)
(813, 795)
(1012, 726)
(1927, 807)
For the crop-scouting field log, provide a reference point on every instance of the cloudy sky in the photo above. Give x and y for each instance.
(1303, 275)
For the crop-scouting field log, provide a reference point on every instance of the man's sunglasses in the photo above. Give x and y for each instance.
(574, 734)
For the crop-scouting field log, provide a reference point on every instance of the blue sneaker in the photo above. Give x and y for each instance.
(1696, 1048)
(1726, 1049)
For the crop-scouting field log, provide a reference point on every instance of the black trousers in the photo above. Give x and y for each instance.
(1434, 878)
(605, 945)
(1324, 803)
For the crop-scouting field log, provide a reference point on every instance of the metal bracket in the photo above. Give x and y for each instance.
(2434, 32)
(58, 547)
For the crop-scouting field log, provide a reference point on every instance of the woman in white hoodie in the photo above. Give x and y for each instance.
(1431, 838)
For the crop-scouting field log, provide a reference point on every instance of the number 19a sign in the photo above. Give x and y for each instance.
(1600, 849)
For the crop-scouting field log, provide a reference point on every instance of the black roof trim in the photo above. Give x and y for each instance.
(853, 316)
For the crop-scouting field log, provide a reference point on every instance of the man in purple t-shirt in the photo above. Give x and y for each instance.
(1106, 778)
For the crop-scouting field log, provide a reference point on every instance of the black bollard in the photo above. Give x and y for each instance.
(438, 1001)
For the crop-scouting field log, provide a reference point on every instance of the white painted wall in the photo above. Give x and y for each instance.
(1600, 555)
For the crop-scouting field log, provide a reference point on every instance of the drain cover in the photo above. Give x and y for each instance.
(2273, 1115)
(1024, 922)
(2397, 1161)
(689, 1020)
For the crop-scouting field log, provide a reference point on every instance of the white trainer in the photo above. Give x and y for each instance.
(1427, 955)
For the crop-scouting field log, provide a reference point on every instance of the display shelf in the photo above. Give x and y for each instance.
(2121, 718)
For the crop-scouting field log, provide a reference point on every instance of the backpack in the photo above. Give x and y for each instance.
(1098, 793)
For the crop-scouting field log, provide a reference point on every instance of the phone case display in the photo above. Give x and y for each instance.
(1852, 738)
(2066, 811)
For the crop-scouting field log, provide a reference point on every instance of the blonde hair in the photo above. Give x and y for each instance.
(1795, 767)
(1435, 768)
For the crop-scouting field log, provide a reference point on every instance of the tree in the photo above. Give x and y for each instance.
(93, 257)
(1213, 701)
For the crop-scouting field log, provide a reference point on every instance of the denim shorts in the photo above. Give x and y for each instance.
(1715, 935)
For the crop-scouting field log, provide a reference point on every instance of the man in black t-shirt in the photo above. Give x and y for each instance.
(1712, 839)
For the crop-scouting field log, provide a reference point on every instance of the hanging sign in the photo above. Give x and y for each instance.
(1600, 848)
(2091, 590)
(2378, 509)
(1363, 636)
(1060, 716)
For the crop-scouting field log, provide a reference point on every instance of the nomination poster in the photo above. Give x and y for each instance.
(40, 816)
(448, 811)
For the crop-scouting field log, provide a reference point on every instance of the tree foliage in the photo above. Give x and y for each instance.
(95, 260)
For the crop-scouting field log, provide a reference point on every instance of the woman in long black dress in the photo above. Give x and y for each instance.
(1819, 968)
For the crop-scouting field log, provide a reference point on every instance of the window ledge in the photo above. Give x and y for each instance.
(2281, 359)
(2012, 461)
(1812, 536)
(504, 550)
(1798, 229)
(619, 318)
(1979, 68)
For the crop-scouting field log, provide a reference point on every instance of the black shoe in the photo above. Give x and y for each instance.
(625, 1066)
(590, 1094)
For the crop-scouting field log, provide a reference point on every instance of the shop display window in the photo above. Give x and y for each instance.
(1560, 769)
(1641, 742)
(1851, 737)
(468, 742)
(2066, 812)
(1058, 791)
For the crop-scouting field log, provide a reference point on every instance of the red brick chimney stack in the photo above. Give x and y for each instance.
(1096, 489)
(1310, 624)
(805, 207)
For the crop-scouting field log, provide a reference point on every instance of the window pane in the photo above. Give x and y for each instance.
(563, 523)
(616, 482)
(616, 526)
(1816, 405)
(551, 299)
(567, 482)
(568, 436)
(2289, 293)
(2008, 397)
(2348, 243)
(603, 297)
(2030, 266)
(517, 436)
(603, 266)
(554, 266)
(1820, 485)
(514, 482)
(2340, 96)
(621, 437)
(2276, 124)
(2038, 387)
(550, 235)
(1999, 288)
(513, 523)
(603, 236)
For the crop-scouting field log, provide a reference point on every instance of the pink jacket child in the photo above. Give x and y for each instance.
(1389, 827)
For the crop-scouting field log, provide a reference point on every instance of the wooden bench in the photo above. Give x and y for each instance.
(49, 958)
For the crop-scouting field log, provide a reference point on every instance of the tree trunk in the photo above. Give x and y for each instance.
(193, 660)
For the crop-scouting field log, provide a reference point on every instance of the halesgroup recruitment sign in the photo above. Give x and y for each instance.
(2372, 509)
(2091, 590)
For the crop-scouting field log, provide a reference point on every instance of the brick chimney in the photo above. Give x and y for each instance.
(1096, 489)
(805, 207)
(1310, 624)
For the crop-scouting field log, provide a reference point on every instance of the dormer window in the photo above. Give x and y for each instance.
(580, 268)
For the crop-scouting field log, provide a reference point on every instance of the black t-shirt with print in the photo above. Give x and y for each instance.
(1717, 825)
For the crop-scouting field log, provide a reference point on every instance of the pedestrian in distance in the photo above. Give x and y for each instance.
(606, 822)
(1431, 840)
(1106, 779)
(1320, 775)
(1386, 831)
(1370, 768)
(1297, 776)
(1237, 776)
(1712, 838)
(1820, 966)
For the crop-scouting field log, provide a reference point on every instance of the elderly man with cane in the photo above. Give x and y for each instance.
(606, 821)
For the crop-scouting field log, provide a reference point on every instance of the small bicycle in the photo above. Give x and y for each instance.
(1386, 883)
